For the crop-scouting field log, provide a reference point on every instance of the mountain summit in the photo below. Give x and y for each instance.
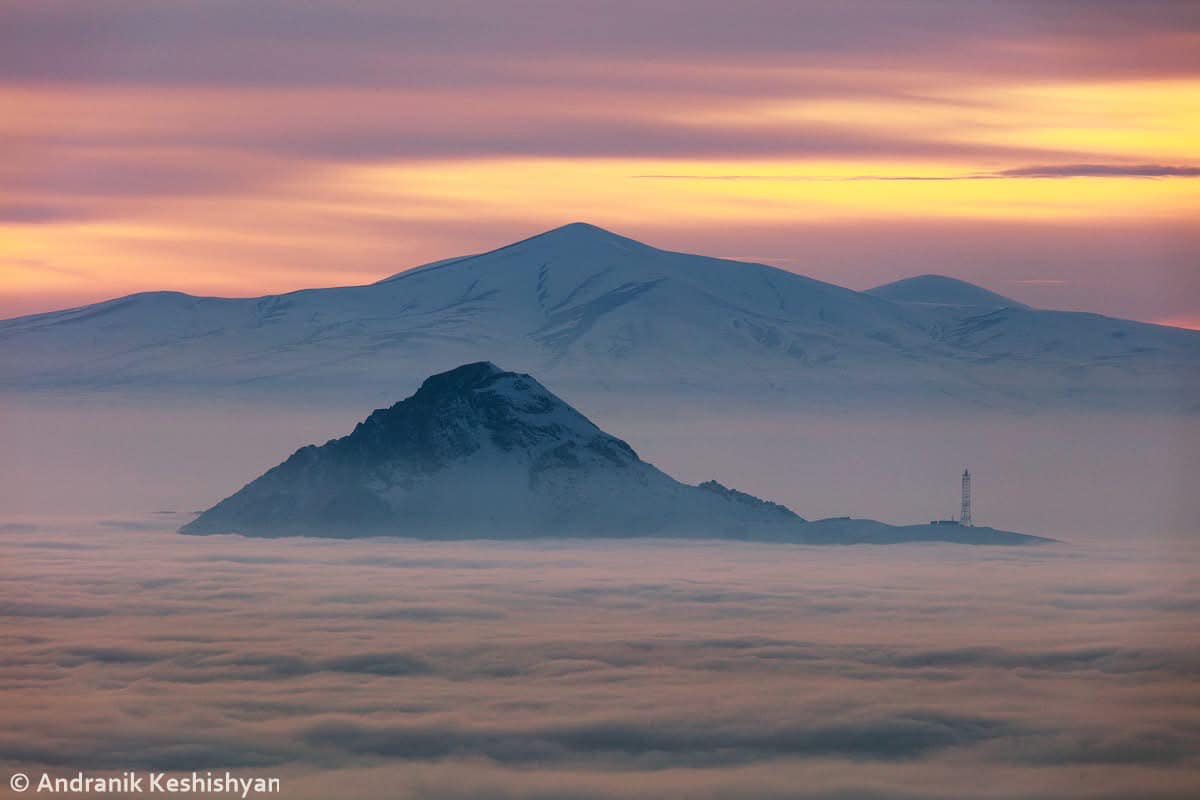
(940, 290)
(478, 452)
(572, 239)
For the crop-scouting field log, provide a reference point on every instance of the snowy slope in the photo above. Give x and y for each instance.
(597, 312)
(478, 452)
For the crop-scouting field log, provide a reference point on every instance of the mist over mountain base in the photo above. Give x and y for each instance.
(1074, 477)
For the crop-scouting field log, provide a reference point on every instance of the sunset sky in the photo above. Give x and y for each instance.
(1048, 150)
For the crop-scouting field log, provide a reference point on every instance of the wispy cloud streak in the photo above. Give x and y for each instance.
(1043, 171)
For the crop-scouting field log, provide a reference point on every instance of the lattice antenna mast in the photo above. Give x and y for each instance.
(964, 516)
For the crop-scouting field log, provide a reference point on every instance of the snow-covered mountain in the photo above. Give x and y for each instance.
(600, 313)
(478, 452)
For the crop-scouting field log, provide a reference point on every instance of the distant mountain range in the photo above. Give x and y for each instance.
(480, 453)
(598, 313)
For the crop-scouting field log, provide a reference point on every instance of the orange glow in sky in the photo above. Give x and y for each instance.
(220, 173)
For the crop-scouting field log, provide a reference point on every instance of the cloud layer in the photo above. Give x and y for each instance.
(404, 669)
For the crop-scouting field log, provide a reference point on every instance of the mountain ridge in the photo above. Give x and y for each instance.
(599, 312)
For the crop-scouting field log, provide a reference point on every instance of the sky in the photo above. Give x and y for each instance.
(1047, 150)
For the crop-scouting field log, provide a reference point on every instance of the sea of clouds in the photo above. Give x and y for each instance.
(390, 668)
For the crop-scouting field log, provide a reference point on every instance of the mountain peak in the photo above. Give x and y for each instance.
(464, 378)
(578, 228)
(942, 290)
(581, 235)
(581, 229)
(480, 452)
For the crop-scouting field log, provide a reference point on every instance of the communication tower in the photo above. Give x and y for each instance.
(964, 515)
